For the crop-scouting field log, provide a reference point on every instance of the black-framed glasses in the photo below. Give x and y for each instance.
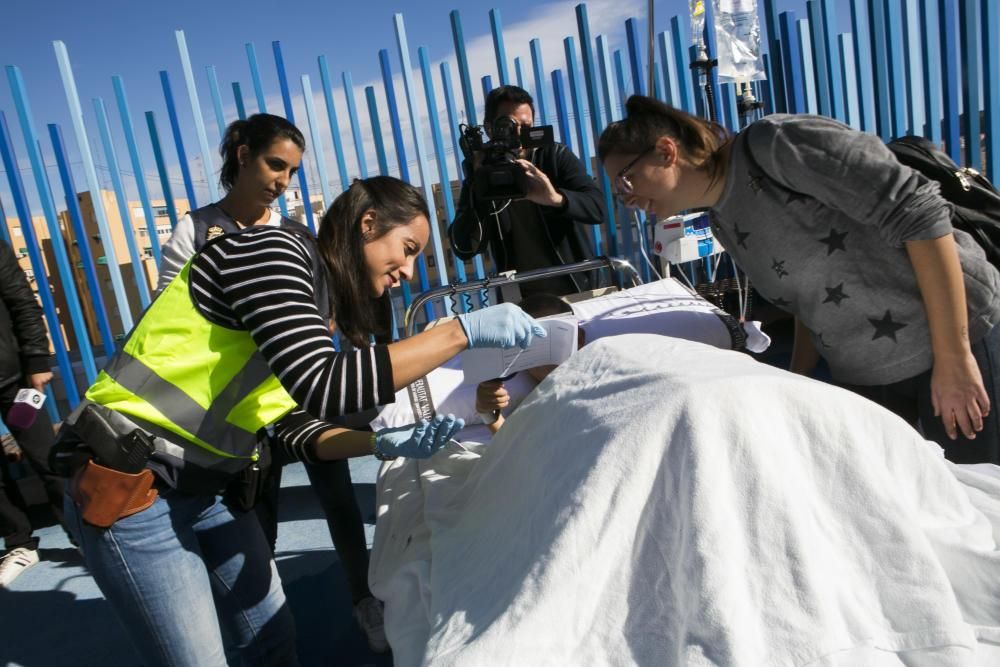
(623, 185)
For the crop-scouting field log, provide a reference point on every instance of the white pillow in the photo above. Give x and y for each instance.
(449, 396)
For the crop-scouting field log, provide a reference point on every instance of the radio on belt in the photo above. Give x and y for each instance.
(685, 238)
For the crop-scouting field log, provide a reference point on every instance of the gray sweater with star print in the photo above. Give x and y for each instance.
(817, 215)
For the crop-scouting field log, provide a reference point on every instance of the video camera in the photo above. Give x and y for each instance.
(498, 176)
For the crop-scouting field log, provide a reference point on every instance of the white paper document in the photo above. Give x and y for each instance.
(489, 363)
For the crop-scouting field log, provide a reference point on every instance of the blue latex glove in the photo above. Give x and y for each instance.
(503, 326)
(417, 441)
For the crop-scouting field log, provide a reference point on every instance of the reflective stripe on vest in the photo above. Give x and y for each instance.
(203, 382)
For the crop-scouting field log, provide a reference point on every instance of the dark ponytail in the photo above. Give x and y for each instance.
(649, 119)
(256, 133)
(342, 246)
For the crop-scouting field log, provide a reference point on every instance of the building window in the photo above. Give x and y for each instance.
(160, 211)
(147, 251)
(430, 261)
(21, 252)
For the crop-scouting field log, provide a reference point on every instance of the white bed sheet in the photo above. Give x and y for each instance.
(657, 501)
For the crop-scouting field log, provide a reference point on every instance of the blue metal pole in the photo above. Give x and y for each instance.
(821, 64)
(464, 78)
(589, 72)
(487, 83)
(950, 77)
(792, 65)
(394, 121)
(213, 87)
(697, 84)
(581, 130)
(863, 67)
(834, 77)
(635, 55)
(241, 110)
(208, 165)
(137, 168)
(449, 97)
(161, 168)
(682, 63)
(850, 82)
(609, 94)
(623, 94)
(76, 113)
(352, 114)
(774, 47)
(539, 72)
(317, 141)
(518, 74)
(422, 163)
(37, 263)
(914, 68)
(82, 243)
(991, 86)
(331, 113)
(971, 102)
(931, 62)
(894, 65)
(175, 129)
(671, 94)
(286, 98)
(383, 164)
(138, 272)
(565, 134)
(806, 65)
(496, 28)
(444, 179)
(880, 65)
(258, 89)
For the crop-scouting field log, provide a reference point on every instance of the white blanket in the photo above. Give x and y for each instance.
(661, 502)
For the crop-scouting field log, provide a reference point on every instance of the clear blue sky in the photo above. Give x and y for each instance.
(135, 39)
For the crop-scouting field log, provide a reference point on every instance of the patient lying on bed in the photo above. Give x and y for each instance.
(655, 501)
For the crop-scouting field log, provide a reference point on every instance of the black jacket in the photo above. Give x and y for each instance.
(24, 342)
(565, 229)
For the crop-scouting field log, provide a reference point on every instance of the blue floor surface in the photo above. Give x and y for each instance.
(54, 614)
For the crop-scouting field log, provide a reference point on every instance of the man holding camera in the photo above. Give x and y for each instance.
(538, 222)
(24, 364)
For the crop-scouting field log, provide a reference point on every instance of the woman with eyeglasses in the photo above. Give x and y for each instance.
(829, 226)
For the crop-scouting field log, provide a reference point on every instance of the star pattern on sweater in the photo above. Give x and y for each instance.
(741, 237)
(834, 242)
(781, 302)
(886, 327)
(756, 183)
(778, 268)
(835, 295)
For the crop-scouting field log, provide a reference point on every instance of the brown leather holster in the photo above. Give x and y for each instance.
(105, 495)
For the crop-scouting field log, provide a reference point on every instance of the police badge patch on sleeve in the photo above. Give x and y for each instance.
(213, 232)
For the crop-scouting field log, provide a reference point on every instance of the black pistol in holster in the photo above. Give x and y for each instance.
(115, 483)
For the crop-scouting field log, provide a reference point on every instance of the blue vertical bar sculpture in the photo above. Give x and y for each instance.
(352, 114)
(140, 174)
(82, 243)
(161, 168)
(241, 110)
(863, 66)
(442, 164)
(464, 78)
(950, 76)
(394, 120)
(767, 86)
(609, 94)
(821, 65)
(518, 74)
(971, 64)
(635, 56)
(775, 47)
(175, 129)
(562, 115)
(834, 79)
(583, 136)
(487, 83)
(316, 140)
(589, 71)
(681, 62)
(76, 112)
(128, 230)
(991, 86)
(806, 65)
(850, 82)
(538, 69)
(931, 63)
(383, 164)
(422, 164)
(213, 88)
(671, 91)
(37, 263)
(449, 97)
(258, 89)
(496, 28)
(623, 92)
(286, 98)
(914, 68)
(795, 97)
(65, 271)
(895, 66)
(331, 113)
(208, 164)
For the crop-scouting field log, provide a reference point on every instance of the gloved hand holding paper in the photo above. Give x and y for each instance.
(483, 364)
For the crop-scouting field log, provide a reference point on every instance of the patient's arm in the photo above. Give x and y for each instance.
(491, 398)
(805, 356)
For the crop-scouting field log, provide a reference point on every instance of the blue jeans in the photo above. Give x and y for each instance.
(178, 569)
